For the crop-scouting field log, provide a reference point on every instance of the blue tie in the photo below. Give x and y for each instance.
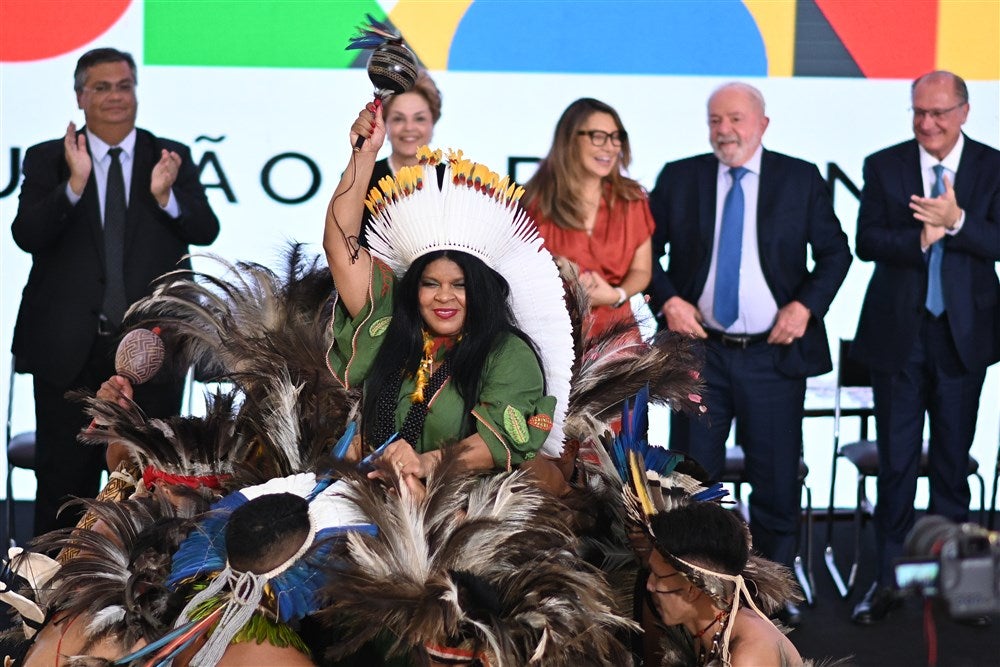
(726, 305)
(935, 295)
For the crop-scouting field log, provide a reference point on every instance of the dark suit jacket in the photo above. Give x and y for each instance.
(889, 235)
(57, 321)
(794, 214)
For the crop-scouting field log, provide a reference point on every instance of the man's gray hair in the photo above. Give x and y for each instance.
(754, 94)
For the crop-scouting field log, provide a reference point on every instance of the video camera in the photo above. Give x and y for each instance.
(958, 563)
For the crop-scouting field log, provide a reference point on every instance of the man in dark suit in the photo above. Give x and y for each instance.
(930, 220)
(96, 245)
(740, 224)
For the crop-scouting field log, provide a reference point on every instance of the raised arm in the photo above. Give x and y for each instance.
(349, 264)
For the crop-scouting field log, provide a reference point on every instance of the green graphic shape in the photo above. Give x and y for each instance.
(254, 33)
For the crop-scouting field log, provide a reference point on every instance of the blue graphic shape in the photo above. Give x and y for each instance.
(681, 37)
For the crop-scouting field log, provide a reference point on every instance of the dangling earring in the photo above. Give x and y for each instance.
(424, 369)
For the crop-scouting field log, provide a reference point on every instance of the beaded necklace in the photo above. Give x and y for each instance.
(722, 618)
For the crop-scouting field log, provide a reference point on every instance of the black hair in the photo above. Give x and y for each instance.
(261, 533)
(98, 57)
(704, 533)
(487, 317)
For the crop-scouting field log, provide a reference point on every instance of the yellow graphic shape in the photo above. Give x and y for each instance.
(429, 27)
(968, 38)
(776, 22)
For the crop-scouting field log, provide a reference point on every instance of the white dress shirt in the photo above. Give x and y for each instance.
(758, 309)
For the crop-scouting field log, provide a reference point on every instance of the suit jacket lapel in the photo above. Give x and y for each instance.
(965, 179)
(707, 184)
(91, 203)
(768, 187)
(912, 182)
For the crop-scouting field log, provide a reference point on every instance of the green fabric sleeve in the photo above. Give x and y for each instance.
(357, 340)
(513, 415)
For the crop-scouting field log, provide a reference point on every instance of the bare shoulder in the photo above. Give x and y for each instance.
(758, 643)
(252, 653)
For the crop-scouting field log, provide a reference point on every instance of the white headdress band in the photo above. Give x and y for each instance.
(477, 212)
(740, 591)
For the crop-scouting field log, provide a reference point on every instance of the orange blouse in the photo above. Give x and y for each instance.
(609, 250)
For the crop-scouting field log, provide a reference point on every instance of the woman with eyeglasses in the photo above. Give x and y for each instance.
(593, 217)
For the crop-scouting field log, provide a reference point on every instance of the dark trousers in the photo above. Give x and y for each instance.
(768, 407)
(933, 381)
(64, 467)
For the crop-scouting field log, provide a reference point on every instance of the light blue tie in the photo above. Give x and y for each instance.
(935, 295)
(726, 304)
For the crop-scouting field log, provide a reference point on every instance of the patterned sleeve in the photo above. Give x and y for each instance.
(357, 340)
(513, 416)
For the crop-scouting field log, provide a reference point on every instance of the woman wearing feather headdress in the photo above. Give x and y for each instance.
(454, 323)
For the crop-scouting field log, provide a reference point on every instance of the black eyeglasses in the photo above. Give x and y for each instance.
(599, 137)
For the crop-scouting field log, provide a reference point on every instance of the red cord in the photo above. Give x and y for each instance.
(61, 635)
(930, 633)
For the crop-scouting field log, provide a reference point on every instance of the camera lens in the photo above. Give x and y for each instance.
(928, 534)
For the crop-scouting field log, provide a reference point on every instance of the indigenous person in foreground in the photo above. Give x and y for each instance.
(930, 322)
(741, 224)
(103, 212)
(455, 324)
(696, 580)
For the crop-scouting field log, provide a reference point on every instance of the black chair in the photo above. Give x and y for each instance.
(20, 450)
(735, 473)
(863, 455)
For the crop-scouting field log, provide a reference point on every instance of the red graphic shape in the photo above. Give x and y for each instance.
(888, 39)
(33, 30)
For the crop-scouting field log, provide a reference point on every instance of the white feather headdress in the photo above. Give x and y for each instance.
(476, 211)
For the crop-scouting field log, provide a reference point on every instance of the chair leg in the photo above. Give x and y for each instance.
(803, 571)
(859, 513)
(11, 535)
(982, 499)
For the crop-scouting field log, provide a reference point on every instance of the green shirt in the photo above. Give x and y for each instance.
(512, 415)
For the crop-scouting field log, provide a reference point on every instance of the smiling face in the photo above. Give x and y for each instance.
(108, 98)
(938, 115)
(410, 125)
(736, 123)
(598, 161)
(441, 295)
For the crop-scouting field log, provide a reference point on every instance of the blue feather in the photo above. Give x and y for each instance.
(373, 35)
(340, 449)
(153, 646)
(204, 550)
(714, 492)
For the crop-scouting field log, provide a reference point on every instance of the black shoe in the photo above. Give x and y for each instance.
(878, 601)
(976, 621)
(790, 615)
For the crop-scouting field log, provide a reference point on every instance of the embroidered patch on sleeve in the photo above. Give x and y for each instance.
(541, 421)
(386, 278)
(514, 424)
(379, 326)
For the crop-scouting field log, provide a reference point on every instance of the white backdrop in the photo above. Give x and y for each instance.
(262, 113)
